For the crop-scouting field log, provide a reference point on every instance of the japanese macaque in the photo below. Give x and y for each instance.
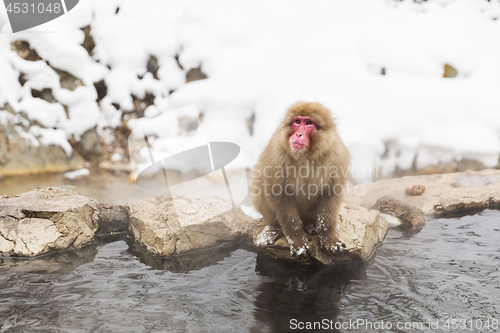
(299, 180)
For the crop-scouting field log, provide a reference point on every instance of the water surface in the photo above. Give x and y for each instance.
(448, 270)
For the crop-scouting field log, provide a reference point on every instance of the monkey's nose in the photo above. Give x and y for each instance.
(299, 134)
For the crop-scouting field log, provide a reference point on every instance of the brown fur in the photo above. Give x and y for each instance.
(296, 211)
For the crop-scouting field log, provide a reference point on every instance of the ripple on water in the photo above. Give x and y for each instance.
(449, 269)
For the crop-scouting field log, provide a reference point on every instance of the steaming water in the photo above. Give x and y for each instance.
(448, 270)
(105, 187)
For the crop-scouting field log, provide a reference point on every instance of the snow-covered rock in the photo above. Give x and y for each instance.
(32, 151)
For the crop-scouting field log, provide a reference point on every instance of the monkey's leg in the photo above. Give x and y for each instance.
(327, 227)
(291, 224)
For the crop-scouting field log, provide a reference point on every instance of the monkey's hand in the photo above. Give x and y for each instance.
(299, 251)
(333, 246)
(299, 248)
(268, 235)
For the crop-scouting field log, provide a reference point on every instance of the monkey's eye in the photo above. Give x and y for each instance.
(297, 121)
(309, 122)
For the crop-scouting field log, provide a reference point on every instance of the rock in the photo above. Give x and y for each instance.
(415, 190)
(88, 42)
(46, 219)
(157, 226)
(21, 153)
(152, 66)
(24, 50)
(114, 219)
(361, 230)
(396, 157)
(63, 262)
(445, 193)
(116, 167)
(101, 89)
(195, 74)
(90, 146)
(45, 94)
(466, 164)
(68, 81)
(449, 71)
(409, 215)
(141, 104)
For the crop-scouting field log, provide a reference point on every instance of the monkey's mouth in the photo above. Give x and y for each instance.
(298, 145)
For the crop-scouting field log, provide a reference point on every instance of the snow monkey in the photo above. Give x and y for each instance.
(299, 180)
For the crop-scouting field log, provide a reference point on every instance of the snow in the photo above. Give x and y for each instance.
(47, 137)
(77, 173)
(391, 220)
(47, 114)
(262, 56)
(265, 237)
(6, 118)
(28, 137)
(251, 211)
(116, 157)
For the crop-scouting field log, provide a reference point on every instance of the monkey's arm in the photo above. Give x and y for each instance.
(327, 211)
(292, 226)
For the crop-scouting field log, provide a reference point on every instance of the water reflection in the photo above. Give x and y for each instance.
(302, 293)
(187, 262)
(63, 262)
(407, 232)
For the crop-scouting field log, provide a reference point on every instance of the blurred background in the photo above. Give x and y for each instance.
(415, 85)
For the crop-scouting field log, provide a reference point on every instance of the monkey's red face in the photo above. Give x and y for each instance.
(302, 129)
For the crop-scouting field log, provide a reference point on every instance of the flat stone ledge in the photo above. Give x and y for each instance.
(444, 193)
(166, 229)
(361, 229)
(45, 219)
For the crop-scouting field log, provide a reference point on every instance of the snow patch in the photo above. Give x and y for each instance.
(116, 157)
(391, 220)
(48, 137)
(77, 173)
(251, 211)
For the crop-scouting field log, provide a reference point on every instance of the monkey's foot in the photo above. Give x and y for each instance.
(337, 246)
(268, 235)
